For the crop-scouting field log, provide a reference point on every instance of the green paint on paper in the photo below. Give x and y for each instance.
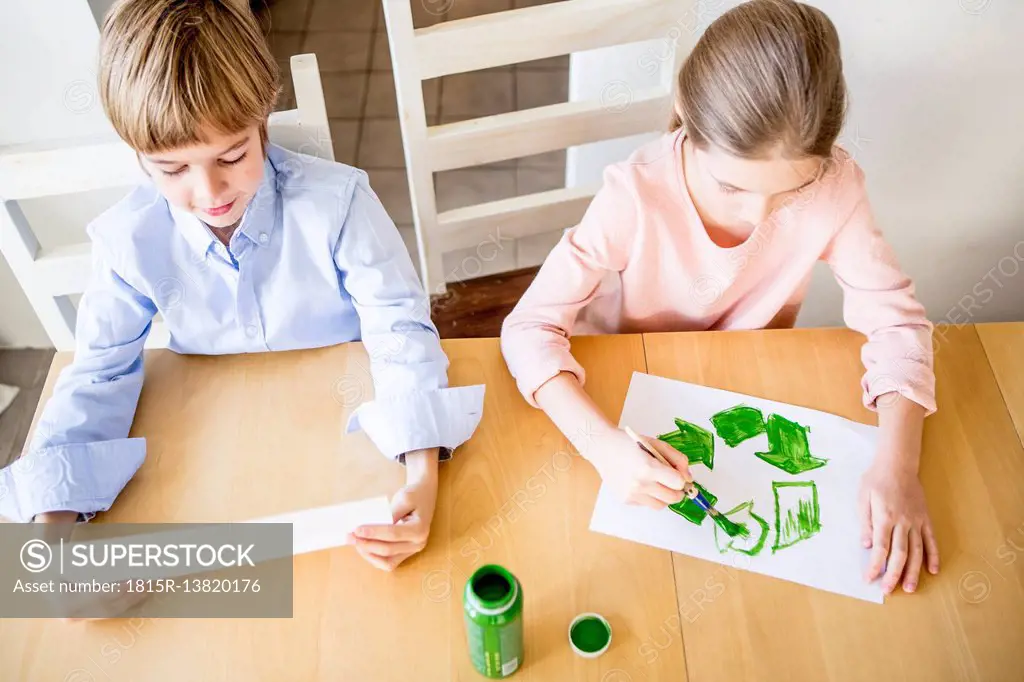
(788, 448)
(589, 635)
(797, 516)
(749, 543)
(729, 527)
(737, 424)
(696, 443)
(690, 510)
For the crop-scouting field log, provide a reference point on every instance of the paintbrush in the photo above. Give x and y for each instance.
(691, 491)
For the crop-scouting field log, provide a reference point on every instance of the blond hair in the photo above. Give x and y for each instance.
(170, 67)
(764, 74)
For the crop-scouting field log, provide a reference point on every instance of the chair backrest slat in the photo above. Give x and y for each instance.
(509, 37)
(514, 218)
(538, 32)
(543, 129)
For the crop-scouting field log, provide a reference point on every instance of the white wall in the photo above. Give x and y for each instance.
(937, 108)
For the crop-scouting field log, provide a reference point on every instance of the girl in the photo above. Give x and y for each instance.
(717, 225)
(242, 247)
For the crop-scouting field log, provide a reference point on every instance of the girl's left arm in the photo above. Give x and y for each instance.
(899, 383)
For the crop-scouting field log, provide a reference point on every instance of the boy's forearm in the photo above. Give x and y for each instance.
(421, 464)
(57, 517)
(900, 426)
(573, 412)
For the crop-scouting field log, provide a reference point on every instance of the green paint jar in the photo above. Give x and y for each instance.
(493, 609)
(590, 635)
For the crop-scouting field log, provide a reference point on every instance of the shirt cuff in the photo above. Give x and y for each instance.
(79, 477)
(444, 418)
(532, 376)
(918, 386)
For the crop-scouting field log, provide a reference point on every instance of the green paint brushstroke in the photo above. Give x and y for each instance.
(690, 510)
(749, 544)
(694, 513)
(698, 444)
(798, 517)
(737, 424)
(729, 527)
(788, 448)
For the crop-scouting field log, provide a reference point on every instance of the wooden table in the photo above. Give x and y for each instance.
(238, 437)
(1004, 346)
(965, 624)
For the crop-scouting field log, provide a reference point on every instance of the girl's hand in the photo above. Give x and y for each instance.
(895, 525)
(634, 475)
(412, 508)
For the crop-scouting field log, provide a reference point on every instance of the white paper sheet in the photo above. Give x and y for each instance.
(325, 527)
(832, 560)
(313, 530)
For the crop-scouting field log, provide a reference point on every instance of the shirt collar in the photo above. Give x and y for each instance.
(260, 215)
(257, 223)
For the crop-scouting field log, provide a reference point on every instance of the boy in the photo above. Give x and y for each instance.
(242, 247)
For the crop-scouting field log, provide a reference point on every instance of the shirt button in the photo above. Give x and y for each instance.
(264, 238)
(251, 330)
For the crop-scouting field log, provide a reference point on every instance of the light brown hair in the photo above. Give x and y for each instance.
(170, 67)
(765, 73)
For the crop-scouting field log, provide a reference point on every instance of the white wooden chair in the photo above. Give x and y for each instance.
(50, 277)
(504, 38)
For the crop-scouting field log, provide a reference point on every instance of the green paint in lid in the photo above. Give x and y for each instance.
(590, 635)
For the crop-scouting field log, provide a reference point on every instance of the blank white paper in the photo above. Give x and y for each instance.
(326, 527)
(831, 560)
(313, 530)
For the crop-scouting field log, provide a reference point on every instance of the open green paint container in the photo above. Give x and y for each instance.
(590, 635)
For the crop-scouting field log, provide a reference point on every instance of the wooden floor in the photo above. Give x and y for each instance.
(477, 307)
(27, 370)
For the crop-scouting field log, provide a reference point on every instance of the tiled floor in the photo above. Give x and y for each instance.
(350, 40)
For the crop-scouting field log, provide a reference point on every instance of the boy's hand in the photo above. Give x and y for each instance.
(73, 605)
(895, 525)
(100, 605)
(412, 508)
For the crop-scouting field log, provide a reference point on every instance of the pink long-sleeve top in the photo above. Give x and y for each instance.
(642, 261)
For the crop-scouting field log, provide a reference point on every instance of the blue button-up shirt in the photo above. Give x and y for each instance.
(315, 261)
